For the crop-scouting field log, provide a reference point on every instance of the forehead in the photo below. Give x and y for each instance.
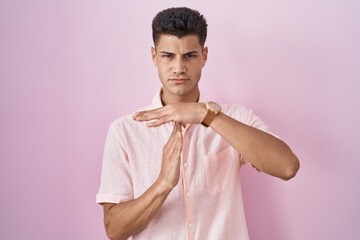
(171, 43)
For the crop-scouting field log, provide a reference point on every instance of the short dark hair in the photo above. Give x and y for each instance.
(179, 21)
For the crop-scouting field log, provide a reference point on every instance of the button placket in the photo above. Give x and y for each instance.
(186, 179)
(185, 163)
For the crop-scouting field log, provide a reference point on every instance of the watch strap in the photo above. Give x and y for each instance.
(210, 115)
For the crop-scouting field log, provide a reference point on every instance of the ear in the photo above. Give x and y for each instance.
(153, 55)
(205, 52)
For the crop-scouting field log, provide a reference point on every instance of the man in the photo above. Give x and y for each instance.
(172, 170)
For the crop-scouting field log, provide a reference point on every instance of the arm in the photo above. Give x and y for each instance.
(264, 151)
(128, 218)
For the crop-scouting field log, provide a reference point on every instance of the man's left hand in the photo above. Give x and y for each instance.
(178, 112)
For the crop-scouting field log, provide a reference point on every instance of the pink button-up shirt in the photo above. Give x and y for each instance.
(206, 204)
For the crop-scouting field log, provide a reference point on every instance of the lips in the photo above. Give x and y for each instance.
(178, 80)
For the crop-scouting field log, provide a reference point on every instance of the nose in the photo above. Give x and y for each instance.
(179, 66)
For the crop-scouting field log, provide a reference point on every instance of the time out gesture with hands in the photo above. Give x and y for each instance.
(262, 150)
(178, 112)
(170, 167)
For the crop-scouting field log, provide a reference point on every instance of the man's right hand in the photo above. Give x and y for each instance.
(125, 219)
(170, 168)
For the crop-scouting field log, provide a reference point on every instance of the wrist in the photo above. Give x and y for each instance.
(212, 110)
(163, 187)
(202, 111)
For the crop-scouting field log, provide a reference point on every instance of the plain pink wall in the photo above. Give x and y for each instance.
(68, 68)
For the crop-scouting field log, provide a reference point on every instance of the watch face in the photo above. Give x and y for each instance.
(214, 107)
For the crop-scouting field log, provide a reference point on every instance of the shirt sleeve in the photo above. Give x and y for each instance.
(247, 117)
(116, 181)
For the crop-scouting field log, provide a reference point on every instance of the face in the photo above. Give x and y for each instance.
(179, 62)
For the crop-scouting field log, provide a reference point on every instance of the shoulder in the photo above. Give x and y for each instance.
(243, 114)
(126, 123)
(236, 110)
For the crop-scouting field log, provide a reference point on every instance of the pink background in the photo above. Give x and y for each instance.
(69, 68)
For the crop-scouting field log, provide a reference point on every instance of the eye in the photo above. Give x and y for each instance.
(169, 56)
(190, 55)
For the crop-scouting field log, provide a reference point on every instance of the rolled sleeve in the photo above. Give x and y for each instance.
(116, 182)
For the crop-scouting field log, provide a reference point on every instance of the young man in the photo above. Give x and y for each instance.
(172, 170)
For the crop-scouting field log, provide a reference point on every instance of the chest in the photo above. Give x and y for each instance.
(208, 164)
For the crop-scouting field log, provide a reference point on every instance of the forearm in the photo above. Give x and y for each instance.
(128, 218)
(264, 151)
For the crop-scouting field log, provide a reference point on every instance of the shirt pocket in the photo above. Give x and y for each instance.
(221, 170)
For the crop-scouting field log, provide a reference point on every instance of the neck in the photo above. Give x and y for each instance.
(172, 98)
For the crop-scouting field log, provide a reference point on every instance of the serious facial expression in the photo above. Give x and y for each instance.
(179, 62)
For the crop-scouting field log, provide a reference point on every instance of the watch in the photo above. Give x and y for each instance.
(213, 109)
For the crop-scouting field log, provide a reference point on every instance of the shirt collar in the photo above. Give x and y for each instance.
(156, 101)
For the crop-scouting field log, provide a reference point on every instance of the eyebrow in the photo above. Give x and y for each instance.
(191, 52)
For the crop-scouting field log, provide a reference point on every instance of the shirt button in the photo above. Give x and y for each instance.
(190, 225)
(186, 165)
(187, 194)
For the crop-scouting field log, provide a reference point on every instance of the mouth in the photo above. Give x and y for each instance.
(178, 80)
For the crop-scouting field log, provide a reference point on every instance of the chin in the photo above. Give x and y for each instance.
(180, 91)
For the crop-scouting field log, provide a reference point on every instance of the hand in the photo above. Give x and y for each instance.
(179, 112)
(170, 168)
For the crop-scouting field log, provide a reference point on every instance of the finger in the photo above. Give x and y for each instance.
(160, 121)
(170, 143)
(148, 115)
(144, 112)
(178, 128)
(179, 139)
(174, 147)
